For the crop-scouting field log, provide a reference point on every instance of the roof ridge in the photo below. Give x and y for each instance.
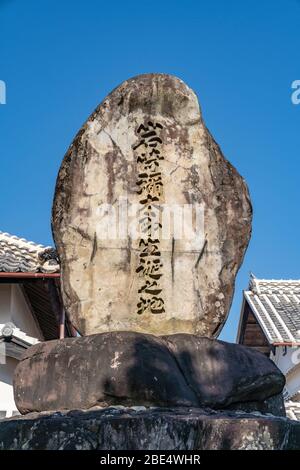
(22, 242)
(21, 255)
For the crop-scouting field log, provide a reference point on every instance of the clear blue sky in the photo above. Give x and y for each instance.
(59, 59)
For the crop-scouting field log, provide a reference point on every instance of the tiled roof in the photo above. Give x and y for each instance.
(20, 255)
(276, 306)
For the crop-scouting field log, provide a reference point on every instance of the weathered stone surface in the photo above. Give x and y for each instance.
(272, 405)
(126, 368)
(150, 429)
(221, 373)
(108, 368)
(106, 286)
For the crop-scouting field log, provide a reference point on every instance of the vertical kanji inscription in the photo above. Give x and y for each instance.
(150, 191)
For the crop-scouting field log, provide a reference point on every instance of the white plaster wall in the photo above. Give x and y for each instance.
(288, 361)
(293, 381)
(13, 308)
(21, 315)
(7, 402)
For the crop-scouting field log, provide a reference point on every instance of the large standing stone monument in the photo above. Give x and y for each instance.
(151, 224)
(146, 147)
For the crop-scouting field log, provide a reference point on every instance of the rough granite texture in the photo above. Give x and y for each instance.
(106, 286)
(125, 368)
(149, 429)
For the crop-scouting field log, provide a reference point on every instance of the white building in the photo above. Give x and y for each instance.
(270, 323)
(30, 306)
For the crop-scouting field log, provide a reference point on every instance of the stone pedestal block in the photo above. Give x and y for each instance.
(149, 429)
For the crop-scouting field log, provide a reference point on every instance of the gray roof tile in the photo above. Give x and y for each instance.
(20, 255)
(276, 305)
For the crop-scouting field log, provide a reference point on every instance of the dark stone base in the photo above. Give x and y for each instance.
(149, 429)
(129, 368)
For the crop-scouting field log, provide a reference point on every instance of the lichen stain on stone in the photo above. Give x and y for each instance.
(115, 363)
(261, 439)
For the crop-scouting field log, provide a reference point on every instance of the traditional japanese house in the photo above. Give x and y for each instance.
(270, 323)
(30, 306)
